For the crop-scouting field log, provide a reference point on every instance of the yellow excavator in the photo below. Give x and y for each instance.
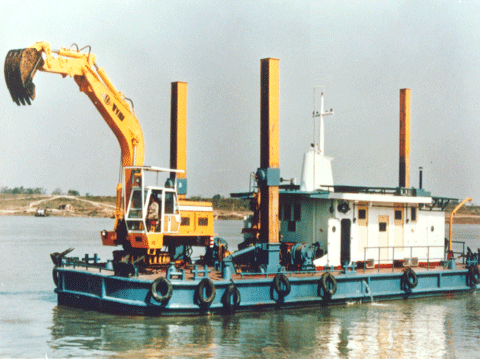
(154, 226)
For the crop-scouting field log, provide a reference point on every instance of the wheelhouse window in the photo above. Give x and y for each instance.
(292, 213)
(290, 209)
(382, 226)
(296, 212)
(362, 214)
(413, 214)
(398, 214)
(362, 217)
(287, 212)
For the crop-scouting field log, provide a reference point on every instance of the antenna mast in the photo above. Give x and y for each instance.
(320, 145)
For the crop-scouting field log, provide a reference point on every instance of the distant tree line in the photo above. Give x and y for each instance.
(21, 190)
(37, 190)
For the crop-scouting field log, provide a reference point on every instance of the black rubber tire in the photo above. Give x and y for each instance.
(281, 284)
(206, 285)
(231, 292)
(474, 274)
(55, 276)
(329, 284)
(162, 290)
(410, 278)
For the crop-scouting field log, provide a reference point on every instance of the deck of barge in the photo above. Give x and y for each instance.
(99, 289)
(192, 273)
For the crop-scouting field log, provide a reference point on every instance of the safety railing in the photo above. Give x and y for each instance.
(378, 257)
(87, 262)
(456, 244)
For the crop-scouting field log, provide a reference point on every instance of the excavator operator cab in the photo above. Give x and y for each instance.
(154, 217)
(152, 209)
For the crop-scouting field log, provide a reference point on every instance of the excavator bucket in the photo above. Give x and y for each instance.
(20, 67)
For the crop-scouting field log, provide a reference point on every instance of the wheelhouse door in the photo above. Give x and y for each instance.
(345, 241)
(383, 238)
(398, 232)
(362, 228)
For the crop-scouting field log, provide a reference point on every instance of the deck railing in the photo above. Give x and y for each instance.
(458, 253)
(87, 262)
(399, 255)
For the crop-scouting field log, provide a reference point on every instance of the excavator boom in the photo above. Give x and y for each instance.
(150, 217)
(21, 66)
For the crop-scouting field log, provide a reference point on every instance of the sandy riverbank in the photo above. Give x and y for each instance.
(73, 206)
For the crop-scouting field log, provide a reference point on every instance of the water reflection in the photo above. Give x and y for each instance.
(416, 328)
(31, 324)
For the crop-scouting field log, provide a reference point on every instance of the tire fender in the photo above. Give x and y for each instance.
(329, 284)
(281, 284)
(55, 276)
(231, 299)
(161, 290)
(474, 274)
(206, 292)
(410, 278)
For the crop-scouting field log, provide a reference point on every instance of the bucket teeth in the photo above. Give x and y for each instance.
(20, 67)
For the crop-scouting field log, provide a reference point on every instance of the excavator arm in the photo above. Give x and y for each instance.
(22, 65)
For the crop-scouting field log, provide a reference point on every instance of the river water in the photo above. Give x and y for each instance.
(33, 326)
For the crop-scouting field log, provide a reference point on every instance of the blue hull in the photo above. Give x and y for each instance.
(104, 292)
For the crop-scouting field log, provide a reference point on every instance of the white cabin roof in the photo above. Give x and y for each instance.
(372, 197)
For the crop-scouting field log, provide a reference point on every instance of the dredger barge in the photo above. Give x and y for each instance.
(316, 243)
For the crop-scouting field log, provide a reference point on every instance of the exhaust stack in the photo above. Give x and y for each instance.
(178, 135)
(404, 174)
(420, 179)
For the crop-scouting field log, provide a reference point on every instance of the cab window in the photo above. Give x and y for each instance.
(170, 203)
(136, 208)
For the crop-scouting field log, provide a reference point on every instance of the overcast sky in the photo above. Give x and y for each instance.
(363, 53)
